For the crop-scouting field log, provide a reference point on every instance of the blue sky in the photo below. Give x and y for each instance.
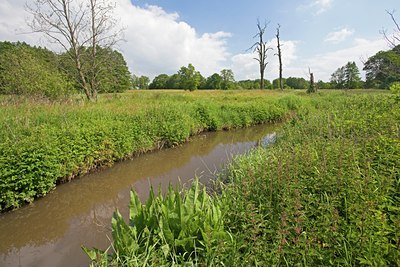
(162, 35)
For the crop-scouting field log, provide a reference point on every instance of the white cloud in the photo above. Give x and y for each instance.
(323, 65)
(158, 42)
(319, 6)
(339, 36)
(246, 67)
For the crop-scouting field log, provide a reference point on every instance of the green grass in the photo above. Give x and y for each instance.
(44, 143)
(326, 194)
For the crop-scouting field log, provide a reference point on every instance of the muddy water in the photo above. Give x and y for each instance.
(50, 231)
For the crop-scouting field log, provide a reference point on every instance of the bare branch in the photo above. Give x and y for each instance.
(77, 25)
(393, 39)
(260, 47)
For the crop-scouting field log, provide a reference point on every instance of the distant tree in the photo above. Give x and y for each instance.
(347, 76)
(276, 83)
(249, 84)
(261, 48)
(383, 68)
(279, 54)
(159, 82)
(296, 83)
(352, 75)
(338, 78)
(189, 78)
(26, 70)
(214, 82)
(141, 82)
(324, 85)
(174, 82)
(74, 25)
(228, 79)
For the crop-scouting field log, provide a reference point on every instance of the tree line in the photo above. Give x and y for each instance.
(31, 70)
(87, 31)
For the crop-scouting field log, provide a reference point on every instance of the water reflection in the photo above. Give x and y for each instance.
(50, 231)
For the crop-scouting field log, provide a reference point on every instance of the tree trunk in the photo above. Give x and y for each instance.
(280, 58)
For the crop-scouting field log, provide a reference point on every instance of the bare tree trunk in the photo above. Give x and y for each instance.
(261, 48)
(279, 57)
(312, 88)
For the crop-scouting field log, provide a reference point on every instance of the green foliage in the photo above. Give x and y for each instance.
(159, 82)
(26, 70)
(141, 82)
(213, 82)
(182, 227)
(111, 74)
(383, 68)
(228, 79)
(395, 88)
(347, 76)
(326, 194)
(296, 83)
(189, 78)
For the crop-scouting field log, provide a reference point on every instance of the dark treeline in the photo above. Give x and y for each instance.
(29, 70)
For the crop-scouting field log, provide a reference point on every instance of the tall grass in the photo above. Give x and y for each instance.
(44, 143)
(327, 194)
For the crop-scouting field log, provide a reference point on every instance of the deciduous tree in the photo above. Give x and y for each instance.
(228, 79)
(74, 25)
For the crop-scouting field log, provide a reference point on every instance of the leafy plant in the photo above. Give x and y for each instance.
(181, 227)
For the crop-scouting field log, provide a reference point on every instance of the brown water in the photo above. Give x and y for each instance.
(50, 231)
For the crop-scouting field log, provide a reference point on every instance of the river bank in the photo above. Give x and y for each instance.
(51, 231)
(45, 143)
(327, 193)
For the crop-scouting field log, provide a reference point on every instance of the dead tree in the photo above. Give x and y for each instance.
(279, 56)
(261, 48)
(394, 39)
(312, 88)
(76, 25)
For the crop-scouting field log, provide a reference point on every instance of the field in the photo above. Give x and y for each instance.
(44, 143)
(326, 194)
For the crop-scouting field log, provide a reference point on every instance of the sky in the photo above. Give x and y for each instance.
(162, 35)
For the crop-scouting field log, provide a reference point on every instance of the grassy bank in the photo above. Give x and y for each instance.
(326, 194)
(45, 143)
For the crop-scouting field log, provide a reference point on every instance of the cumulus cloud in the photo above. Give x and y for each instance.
(246, 67)
(323, 65)
(158, 42)
(155, 41)
(339, 36)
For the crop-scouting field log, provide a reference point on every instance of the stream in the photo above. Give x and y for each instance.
(50, 231)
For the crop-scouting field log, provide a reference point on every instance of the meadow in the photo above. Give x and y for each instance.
(45, 143)
(325, 194)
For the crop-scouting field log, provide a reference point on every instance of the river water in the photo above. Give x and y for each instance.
(50, 231)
